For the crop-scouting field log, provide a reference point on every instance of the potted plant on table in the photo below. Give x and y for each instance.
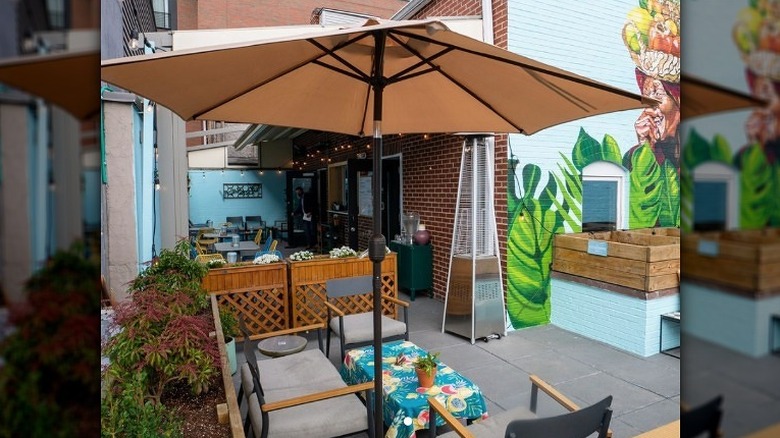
(230, 330)
(425, 367)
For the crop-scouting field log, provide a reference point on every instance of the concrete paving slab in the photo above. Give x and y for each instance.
(554, 367)
(650, 416)
(657, 378)
(464, 357)
(513, 346)
(626, 396)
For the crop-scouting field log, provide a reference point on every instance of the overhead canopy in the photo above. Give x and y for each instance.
(437, 80)
(69, 80)
(700, 97)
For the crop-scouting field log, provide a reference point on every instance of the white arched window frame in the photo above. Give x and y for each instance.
(715, 172)
(605, 171)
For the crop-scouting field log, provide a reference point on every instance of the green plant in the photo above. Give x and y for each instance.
(228, 321)
(126, 412)
(427, 363)
(174, 271)
(47, 383)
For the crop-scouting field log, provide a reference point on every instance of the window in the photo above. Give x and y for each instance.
(602, 197)
(714, 197)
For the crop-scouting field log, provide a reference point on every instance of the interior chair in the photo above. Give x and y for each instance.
(704, 419)
(258, 237)
(236, 221)
(206, 242)
(522, 422)
(294, 395)
(205, 258)
(357, 329)
(254, 222)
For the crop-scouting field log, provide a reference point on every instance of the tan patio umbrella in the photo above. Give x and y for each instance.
(700, 97)
(382, 77)
(69, 80)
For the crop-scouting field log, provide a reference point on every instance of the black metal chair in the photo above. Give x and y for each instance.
(702, 419)
(578, 424)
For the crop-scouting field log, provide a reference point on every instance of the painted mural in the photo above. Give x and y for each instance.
(756, 34)
(546, 198)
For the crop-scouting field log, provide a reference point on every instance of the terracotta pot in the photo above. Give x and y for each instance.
(425, 380)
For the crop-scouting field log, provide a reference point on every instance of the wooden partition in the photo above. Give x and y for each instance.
(747, 260)
(307, 286)
(259, 292)
(642, 260)
(231, 404)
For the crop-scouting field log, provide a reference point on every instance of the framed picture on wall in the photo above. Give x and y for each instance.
(242, 190)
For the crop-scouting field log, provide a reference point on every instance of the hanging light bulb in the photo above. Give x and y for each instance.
(204, 175)
(156, 183)
(133, 43)
(242, 172)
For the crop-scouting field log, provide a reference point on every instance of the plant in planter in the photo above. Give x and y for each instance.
(301, 256)
(344, 251)
(425, 367)
(47, 382)
(163, 345)
(266, 259)
(230, 330)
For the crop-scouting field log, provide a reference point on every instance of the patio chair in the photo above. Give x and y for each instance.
(203, 241)
(235, 221)
(522, 422)
(254, 222)
(205, 258)
(258, 236)
(702, 419)
(357, 329)
(300, 395)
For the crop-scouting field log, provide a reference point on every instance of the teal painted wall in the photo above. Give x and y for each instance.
(206, 196)
(627, 323)
(737, 323)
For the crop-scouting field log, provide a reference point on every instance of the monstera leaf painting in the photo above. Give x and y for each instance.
(757, 191)
(653, 190)
(588, 150)
(529, 252)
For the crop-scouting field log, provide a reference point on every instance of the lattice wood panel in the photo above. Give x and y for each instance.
(307, 286)
(259, 292)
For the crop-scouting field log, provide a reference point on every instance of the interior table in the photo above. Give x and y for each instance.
(283, 345)
(243, 246)
(405, 405)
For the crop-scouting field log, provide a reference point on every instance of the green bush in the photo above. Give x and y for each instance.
(48, 385)
(126, 413)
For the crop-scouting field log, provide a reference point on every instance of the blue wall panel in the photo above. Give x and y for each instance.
(206, 196)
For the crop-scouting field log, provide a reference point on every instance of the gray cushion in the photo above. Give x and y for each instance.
(360, 327)
(296, 370)
(495, 426)
(326, 418)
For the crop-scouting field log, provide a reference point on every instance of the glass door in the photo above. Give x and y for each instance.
(296, 236)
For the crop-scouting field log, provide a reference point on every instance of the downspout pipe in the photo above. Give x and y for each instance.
(487, 21)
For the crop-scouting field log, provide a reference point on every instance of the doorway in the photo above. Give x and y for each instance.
(296, 236)
(392, 192)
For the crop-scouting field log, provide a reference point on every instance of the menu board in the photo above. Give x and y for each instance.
(365, 198)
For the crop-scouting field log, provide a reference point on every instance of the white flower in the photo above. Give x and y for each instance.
(344, 251)
(266, 259)
(302, 255)
(214, 263)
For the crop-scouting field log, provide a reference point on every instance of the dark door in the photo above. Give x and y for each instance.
(359, 196)
(391, 197)
(308, 181)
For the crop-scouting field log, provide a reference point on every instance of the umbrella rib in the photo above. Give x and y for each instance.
(339, 70)
(579, 103)
(565, 76)
(337, 57)
(456, 82)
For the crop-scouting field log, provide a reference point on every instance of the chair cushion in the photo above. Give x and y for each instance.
(296, 370)
(360, 327)
(495, 426)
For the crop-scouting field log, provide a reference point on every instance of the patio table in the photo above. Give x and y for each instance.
(243, 246)
(405, 405)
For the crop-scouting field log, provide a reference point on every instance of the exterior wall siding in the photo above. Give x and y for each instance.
(586, 40)
(729, 320)
(627, 323)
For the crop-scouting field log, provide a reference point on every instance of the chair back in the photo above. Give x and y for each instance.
(205, 258)
(577, 424)
(342, 287)
(704, 418)
(272, 248)
(236, 221)
(258, 236)
(267, 246)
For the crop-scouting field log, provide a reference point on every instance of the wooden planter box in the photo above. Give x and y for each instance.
(659, 231)
(747, 260)
(229, 411)
(637, 260)
(259, 292)
(307, 286)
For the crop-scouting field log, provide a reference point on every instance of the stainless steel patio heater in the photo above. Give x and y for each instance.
(474, 304)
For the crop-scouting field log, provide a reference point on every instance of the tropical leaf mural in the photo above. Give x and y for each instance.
(757, 191)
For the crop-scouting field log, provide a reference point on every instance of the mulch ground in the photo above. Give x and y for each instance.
(199, 412)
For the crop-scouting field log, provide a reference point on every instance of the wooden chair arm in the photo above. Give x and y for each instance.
(537, 382)
(453, 422)
(396, 301)
(317, 396)
(333, 308)
(315, 326)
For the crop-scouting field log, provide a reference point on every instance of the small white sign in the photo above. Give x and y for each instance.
(597, 247)
(708, 248)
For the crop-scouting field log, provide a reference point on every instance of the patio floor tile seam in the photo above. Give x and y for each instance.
(636, 384)
(623, 414)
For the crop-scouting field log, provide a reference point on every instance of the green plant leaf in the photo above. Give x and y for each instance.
(670, 199)
(756, 188)
(588, 150)
(529, 252)
(532, 174)
(646, 188)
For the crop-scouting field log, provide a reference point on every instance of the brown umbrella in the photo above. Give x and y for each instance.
(69, 80)
(700, 97)
(383, 77)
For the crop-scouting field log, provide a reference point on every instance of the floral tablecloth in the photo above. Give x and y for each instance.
(405, 405)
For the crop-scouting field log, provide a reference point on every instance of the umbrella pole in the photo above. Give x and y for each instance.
(376, 248)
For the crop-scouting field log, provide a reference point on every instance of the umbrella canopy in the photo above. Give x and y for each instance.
(383, 77)
(435, 80)
(69, 79)
(701, 97)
